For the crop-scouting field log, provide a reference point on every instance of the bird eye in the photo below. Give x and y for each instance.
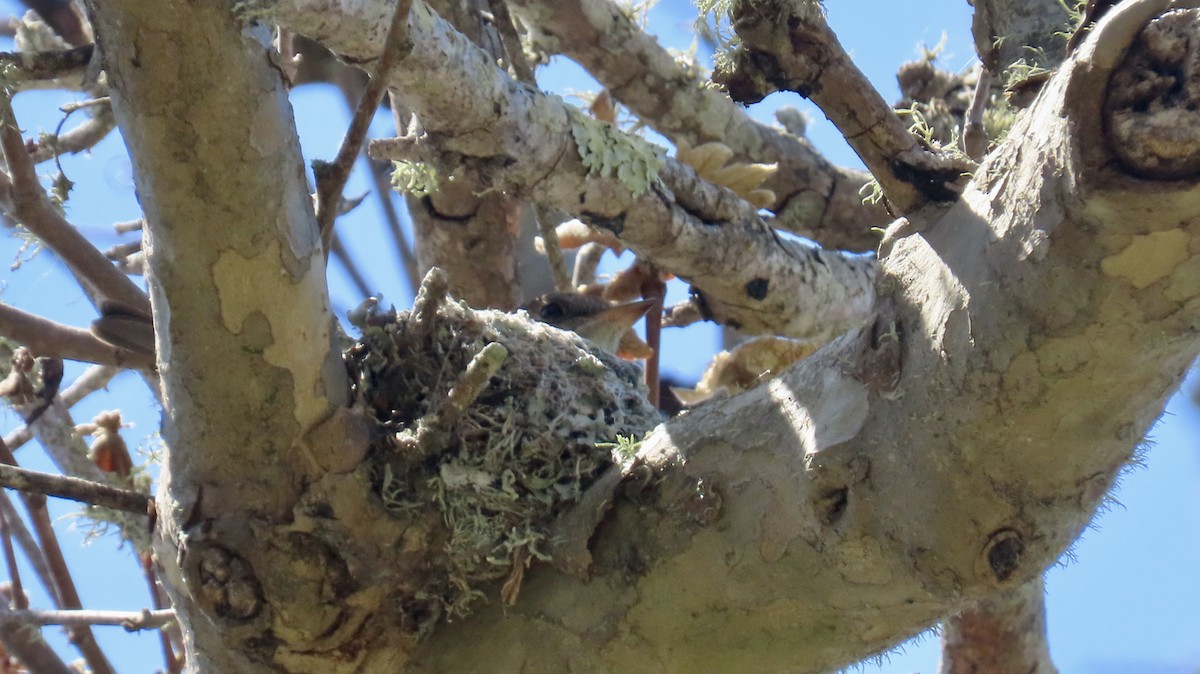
(551, 311)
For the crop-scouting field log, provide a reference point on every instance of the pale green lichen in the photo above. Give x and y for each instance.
(415, 178)
(609, 152)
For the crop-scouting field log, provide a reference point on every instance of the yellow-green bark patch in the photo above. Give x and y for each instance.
(1148, 257)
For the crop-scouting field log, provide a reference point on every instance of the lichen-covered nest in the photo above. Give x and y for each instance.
(482, 447)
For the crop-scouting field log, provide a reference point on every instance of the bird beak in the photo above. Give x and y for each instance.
(625, 315)
(605, 327)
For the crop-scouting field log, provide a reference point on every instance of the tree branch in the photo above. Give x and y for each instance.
(813, 198)
(1005, 633)
(747, 276)
(29, 647)
(26, 201)
(64, 67)
(132, 621)
(47, 338)
(806, 57)
(332, 177)
(76, 489)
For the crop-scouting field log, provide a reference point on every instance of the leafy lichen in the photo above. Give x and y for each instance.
(609, 152)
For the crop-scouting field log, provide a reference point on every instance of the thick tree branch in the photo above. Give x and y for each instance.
(467, 228)
(788, 45)
(255, 389)
(813, 198)
(510, 137)
(1025, 339)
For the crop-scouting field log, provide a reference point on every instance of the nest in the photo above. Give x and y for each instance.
(491, 427)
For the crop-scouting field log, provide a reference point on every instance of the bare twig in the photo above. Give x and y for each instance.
(29, 546)
(332, 177)
(129, 226)
(75, 489)
(558, 265)
(338, 249)
(19, 599)
(481, 368)
(67, 595)
(47, 338)
(513, 52)
(132, 621)
(975, 138)
(27, 202)
(653, 288)
(81, 138)
(30, 648)
(433, 428)
(407, 258)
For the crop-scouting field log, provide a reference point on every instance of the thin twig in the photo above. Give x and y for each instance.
(47, 338)
(129, 226)
(343, 256)
(75, 489)
(513, 52)
(80, 138)
(332, 177)
(975, 138)
(19, 599)
(27, 202)
(433, 429)
(158, 601)
(67, 595)
(407, 258)
(653, 288)
(132, 621)
(558, 264)
(29, 546)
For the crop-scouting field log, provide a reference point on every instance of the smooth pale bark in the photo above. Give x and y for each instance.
(245, 337)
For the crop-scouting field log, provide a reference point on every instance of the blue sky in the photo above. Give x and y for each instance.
(1126, 604)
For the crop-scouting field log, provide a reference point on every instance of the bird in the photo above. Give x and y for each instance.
(590, 317)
